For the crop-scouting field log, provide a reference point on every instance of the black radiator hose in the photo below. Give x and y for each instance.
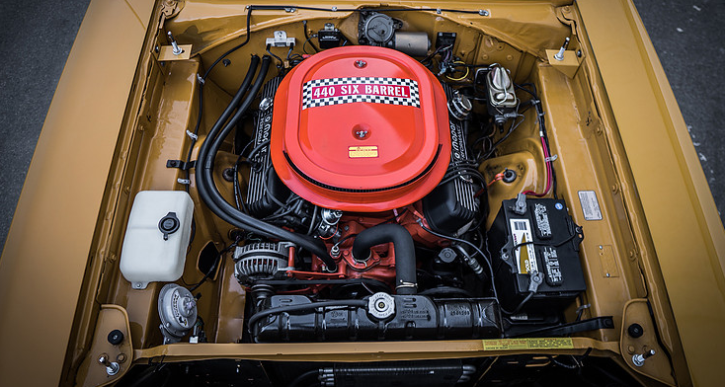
(406, 281)
(204, 172)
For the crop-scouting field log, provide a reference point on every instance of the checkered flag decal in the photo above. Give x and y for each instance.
(309, 101)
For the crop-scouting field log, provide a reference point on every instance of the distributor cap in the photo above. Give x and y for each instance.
(379, 29)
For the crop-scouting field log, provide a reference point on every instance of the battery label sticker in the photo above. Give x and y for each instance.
(355, 152)
(525, 254)
(590, 205)
(542, 221)
(551, 264)
(532, 343)
(336, 91)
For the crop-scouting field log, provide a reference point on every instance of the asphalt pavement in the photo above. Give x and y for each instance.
(37, 36)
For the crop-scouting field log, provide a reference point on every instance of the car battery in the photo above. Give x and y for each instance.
(534, 245)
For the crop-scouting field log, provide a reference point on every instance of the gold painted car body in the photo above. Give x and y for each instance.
(119, 113)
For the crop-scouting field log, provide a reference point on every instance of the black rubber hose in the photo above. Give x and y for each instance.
(217, 204)
(405, 277)
(305, 307)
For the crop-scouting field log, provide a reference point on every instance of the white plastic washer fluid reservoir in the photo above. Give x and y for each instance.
(157, 235)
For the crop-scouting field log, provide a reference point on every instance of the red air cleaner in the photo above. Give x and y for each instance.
(361, 129)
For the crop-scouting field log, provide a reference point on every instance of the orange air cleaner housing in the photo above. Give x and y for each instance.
(361, 129)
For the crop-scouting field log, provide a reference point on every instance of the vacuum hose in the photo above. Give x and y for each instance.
(406, 281)
(204, 170)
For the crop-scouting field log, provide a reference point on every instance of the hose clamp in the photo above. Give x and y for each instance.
(404, 284)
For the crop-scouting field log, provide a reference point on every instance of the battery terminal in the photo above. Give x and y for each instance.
(535, 280)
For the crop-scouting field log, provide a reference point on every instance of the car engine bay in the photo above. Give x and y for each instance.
(364, 212)
(374, 175)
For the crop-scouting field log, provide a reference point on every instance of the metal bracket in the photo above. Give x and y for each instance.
(166, 53)
(569, 62)
(280, 39)
(184, 166)
(171, 8)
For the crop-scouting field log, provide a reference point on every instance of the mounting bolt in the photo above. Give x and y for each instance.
(560, 55)
(483, 12)
(638, 359)
(177, 49)
(112, 367)
(335, 251)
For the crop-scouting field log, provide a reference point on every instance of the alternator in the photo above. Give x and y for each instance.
(260, 260)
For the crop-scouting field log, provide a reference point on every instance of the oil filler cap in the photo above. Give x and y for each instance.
(169, 224)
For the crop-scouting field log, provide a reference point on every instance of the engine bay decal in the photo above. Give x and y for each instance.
(355, 152)
(522, 344)
(336, 91)
(590, 205)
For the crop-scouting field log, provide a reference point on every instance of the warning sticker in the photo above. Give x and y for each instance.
(525, 254)
(590, 205)
(336, 91)
(533, 343)
(362, 151)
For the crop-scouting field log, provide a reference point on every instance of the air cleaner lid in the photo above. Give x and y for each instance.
(360, 129)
